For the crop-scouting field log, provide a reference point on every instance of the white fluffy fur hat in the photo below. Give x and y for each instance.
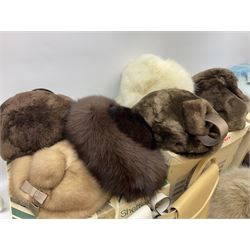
(148, 73)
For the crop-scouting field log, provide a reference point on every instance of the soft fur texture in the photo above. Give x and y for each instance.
(177, 117)
(231, 199)
(133, 125)
(97, 126)
(149, 73)
(219, 87)
(30, 121)
(72, 191)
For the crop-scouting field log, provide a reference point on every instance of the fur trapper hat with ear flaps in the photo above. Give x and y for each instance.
(56, 183)
(117, 146)
(231, 199)
(182, 122)
(219, 87)
(148, 73)
(30, 121)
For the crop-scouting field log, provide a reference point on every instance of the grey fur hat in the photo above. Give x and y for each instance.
(231, 199)
(179, 122)
(219, 87)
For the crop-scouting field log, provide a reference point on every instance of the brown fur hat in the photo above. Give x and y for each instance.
(231, 199)
(30, 121)
(56, 171)
(116, 144)
(177, 118)
(219, 87)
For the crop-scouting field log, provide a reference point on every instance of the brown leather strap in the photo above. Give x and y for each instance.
(39, 196)
(222, 127)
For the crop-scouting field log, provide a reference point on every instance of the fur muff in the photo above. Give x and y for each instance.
(231, 199)
(148, 73)
(219, 87)
(30, 121)
(177, 118)
(57, 171)
(121, 160)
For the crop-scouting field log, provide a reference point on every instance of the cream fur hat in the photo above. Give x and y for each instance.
(54, 183)
(148, 73)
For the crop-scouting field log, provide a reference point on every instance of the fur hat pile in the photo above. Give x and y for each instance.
(30, 121)
(69, 157)
(219, 87)
(178, 121)
(57, 182)
(107, 138)
(231, 199)
(148, 73)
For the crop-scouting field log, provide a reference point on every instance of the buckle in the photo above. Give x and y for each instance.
(39, 196)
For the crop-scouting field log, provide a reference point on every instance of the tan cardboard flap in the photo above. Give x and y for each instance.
(200, 168)
(244, 147)
(194, 202)
(197, 197)
(234, 136)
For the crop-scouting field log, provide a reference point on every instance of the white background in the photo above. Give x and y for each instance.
(87, 63)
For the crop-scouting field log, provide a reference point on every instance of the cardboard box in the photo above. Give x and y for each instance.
(179, 172)
(120, 209)
(230, 148)
(181, 169)
(194, 202)
(244, 147)
(20, 212)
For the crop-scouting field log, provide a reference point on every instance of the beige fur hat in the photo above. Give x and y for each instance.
(54, 183)
(148, 73)
(231, 199)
